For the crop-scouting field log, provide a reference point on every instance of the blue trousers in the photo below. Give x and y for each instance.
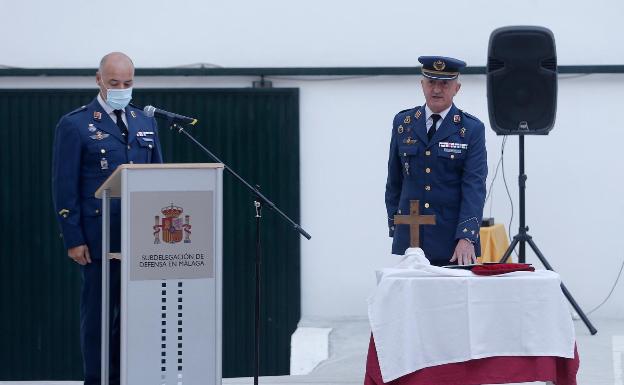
(90, 321)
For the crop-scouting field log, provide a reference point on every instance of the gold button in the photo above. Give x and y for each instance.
(427, 152)
(103, 151)
(452, 156)
(427, 170)
(428, 188)
(426, 205)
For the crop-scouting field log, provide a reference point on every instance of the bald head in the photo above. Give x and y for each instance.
(115, 59)
(116, 72)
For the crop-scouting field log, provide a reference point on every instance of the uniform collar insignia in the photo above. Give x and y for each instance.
(133, 114)
(97, 115)
(91, 127)
(456, 118)
(462, 132)
(417, 115)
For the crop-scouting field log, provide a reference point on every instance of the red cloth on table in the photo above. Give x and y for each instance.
(491, 370)
(501, 268)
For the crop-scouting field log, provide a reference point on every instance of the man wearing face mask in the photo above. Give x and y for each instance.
(90, 142)
(438, 157)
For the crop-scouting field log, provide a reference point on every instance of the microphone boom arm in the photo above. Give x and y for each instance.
(256, 192)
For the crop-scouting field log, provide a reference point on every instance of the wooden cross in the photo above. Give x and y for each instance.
(414, 220)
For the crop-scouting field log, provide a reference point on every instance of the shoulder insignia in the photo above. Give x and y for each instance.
(470, 116)
(400, 129)
(78, 110)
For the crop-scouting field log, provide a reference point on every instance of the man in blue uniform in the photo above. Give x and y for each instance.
(438, 156)
(89, 144)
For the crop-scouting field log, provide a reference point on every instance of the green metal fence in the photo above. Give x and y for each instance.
(256, 131)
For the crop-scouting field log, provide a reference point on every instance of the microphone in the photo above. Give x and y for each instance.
(151, 111)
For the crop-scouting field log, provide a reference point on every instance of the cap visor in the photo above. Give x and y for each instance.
(440, 75)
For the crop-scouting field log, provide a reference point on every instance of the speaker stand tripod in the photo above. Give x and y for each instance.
(523, 237)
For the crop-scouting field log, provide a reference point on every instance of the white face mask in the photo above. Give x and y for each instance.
(118, 99)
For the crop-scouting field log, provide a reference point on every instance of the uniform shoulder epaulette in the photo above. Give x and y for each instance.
(406, 111)
(470, 116)
(77, 110)
(134, 106)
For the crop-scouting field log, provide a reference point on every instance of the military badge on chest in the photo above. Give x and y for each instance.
(99, 136)
(103, 160)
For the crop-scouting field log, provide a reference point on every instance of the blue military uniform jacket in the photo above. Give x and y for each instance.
(447, 175)
(88, 147)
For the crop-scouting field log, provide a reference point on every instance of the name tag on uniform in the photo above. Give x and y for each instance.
(463, 146)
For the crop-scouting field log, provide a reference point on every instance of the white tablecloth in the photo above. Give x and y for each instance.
(428, 316)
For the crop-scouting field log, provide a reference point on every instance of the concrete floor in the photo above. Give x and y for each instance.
(602, 356)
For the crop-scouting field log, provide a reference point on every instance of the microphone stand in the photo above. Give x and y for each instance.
(259, 201)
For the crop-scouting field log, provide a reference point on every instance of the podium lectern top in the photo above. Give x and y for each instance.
(113, 182)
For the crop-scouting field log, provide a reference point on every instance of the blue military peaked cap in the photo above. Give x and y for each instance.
(441, 67)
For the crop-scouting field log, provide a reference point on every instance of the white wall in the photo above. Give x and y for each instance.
(275, 33)
(574, 190)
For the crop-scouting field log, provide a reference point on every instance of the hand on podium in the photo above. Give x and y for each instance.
(464, 253)
(80, 254)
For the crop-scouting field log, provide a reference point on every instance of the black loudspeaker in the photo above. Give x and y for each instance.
(522, 80)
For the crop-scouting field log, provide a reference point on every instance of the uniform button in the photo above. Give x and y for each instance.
(427, 152)
(427, 170)
(150, 146)
(428, 188)
(399, 211)
(452, 156)
(131, 162)
(97, 211)
(426, 205)
(128, 147)
(103, 151)
(405, 154)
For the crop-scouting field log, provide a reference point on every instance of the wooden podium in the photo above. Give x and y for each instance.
(171, 269)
